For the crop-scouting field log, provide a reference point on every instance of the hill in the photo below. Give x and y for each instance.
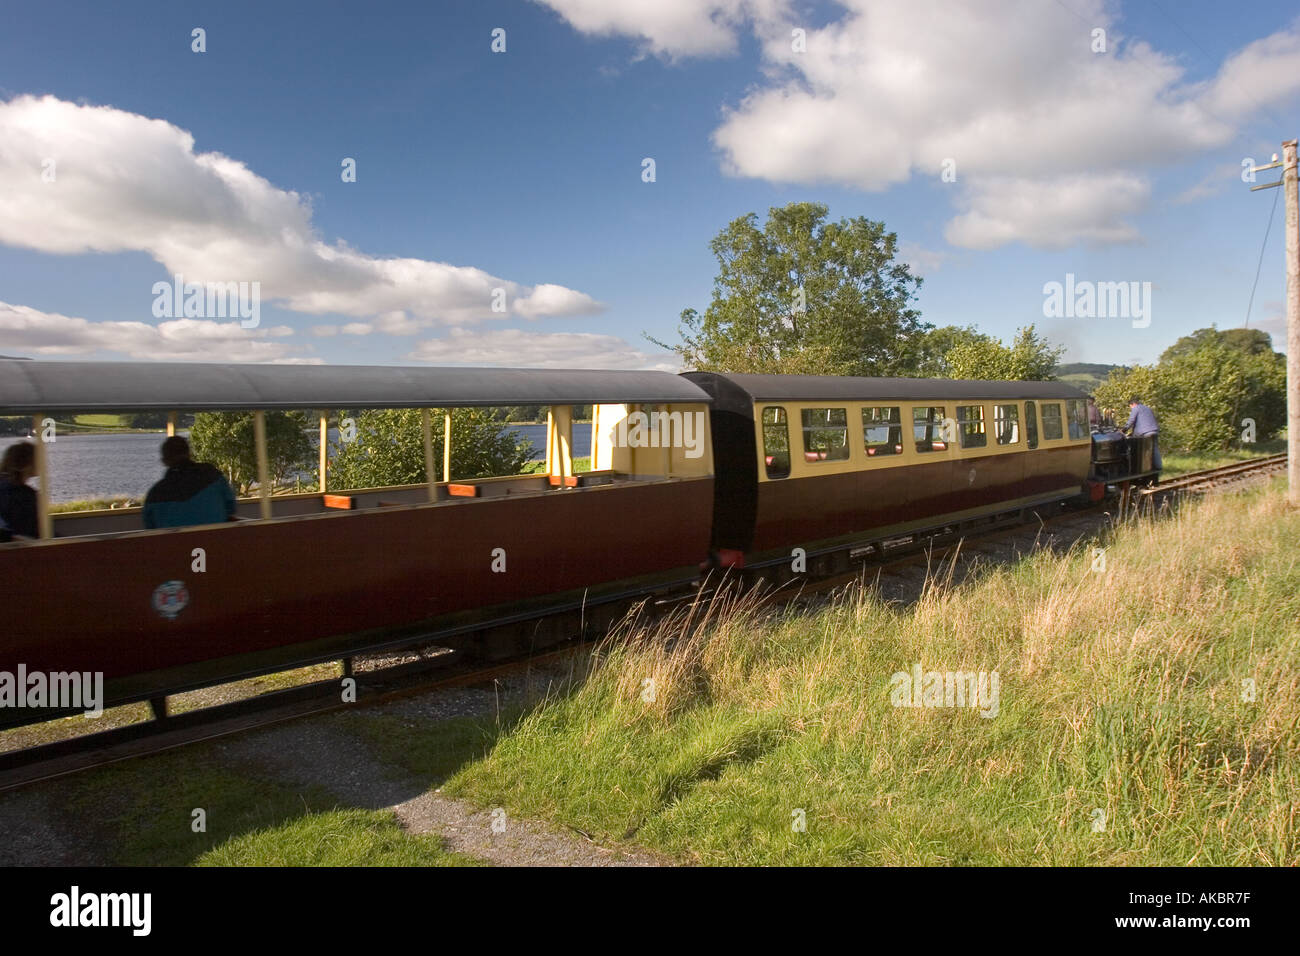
(1085, 375)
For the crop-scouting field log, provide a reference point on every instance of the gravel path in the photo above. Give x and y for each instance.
(492, 836)
(324, 752)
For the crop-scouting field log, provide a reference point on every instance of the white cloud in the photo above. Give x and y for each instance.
(1009, 90)
(1262, 72)
(1049, 213)
(357, 328)
(921, 259)
(521, 348)
(30, 331)
(399, 323)
(124, 182)
(1273, 322)
(670, 28)
(1211, 184)
(325, 331)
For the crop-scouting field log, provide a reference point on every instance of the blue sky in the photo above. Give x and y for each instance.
(525, 166)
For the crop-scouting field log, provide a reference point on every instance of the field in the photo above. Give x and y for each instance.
(1147, 716)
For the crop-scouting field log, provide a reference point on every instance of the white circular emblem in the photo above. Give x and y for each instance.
(169, 599)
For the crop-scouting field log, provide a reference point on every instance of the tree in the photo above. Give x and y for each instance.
(389, 448)
(158, 420)
(933, 347)
(1028, 359)
(525, 413)
(226, 439)
(1204, 385)
(537, 413)
(804, 295)
(1250, 341)
(1143, 381)
(953, 352)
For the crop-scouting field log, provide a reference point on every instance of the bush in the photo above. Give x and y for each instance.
(226, 439)
(389, 448)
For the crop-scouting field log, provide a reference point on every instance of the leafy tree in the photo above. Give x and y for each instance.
(157, 420)
(525, 413)
(1143, 381)
(226, 439)
(1028, 358)
(537, 413)
(1250, 341)
(389, 448)
(804, 295)
(1202, 388)
(933, 347)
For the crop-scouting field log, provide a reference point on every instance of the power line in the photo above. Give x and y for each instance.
(1258, 105)
(1262, 247)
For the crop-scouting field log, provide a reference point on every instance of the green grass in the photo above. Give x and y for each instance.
(1121, 694)
(141, 813)
(335, 838)
(539, 467)
(1176, 463)
(102, 421)
(89, 504)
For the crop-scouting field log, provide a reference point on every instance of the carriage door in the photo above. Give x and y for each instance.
(1033, 464)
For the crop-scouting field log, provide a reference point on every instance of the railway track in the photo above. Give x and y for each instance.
(1217, 477)
(33, 764)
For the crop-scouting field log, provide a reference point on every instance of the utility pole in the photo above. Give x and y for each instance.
(1289, 187)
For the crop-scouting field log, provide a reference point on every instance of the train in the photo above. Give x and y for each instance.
(691, 474)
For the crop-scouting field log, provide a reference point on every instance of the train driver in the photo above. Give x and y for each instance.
(1141, 423)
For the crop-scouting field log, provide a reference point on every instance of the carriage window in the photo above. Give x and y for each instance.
(1052, 429)
(776, 442)
(1006, 424)
(1076, 414)
(825, 434)
(1031, 425)
(970, 426)
(927, 428)
(882, 430)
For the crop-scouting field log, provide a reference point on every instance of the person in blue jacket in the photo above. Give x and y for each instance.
(1141, 423)
(192, 492)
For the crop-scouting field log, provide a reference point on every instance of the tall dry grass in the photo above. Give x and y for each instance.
(1148, 714)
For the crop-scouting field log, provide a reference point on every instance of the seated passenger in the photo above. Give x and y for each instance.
(191, 492)
(17, 501)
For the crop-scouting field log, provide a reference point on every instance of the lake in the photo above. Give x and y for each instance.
(125, 465)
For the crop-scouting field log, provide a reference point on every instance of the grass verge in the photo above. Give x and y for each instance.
(1147, 715)
(336, 838)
